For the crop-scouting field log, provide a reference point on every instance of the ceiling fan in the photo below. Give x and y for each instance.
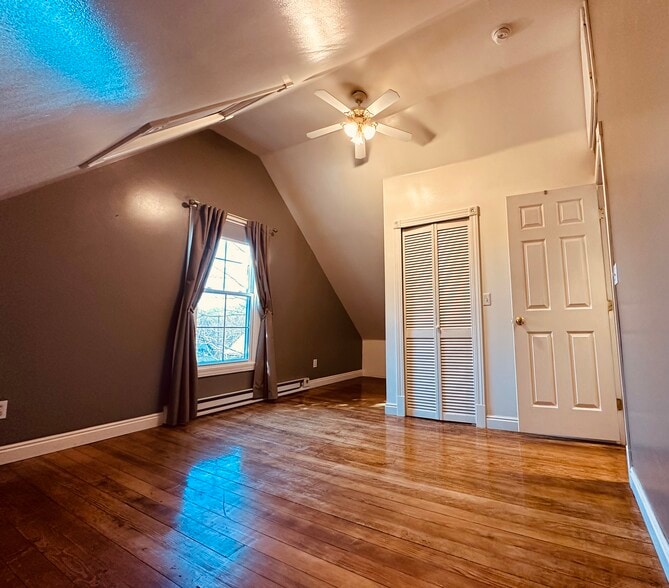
(359, 125)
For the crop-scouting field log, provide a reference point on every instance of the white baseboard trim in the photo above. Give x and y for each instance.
(327, 380)
(652, 524)
(503, 423)
(391, 409)
(43, 445)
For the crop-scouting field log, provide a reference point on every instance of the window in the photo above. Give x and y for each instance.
(225, 315)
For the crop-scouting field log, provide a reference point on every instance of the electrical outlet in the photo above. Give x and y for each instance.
(487, 299)
(315, 363)
(3, 408)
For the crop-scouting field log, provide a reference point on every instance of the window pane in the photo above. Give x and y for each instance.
(236, 276)
(223, 316)
(238, 252)
(236, 305)
(216, 275)
(236, 347)
(209, 345)
(211, 310)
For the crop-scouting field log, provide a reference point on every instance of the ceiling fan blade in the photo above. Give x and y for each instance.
(324, 131)
(332, 101)
(393, 132)
(360, 150)
(382, 102)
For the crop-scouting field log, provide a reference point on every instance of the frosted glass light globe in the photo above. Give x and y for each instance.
(350, 128)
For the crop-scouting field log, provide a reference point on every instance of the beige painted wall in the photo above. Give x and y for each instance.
(632, 66)
(557, 162)
(479, 98)
(374, 358)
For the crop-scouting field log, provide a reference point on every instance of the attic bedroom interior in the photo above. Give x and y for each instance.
(334, 293)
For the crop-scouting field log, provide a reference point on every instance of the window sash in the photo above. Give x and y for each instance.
(249, 328)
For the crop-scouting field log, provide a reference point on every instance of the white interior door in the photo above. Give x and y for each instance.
(564, 360)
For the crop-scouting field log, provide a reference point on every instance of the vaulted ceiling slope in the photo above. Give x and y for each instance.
(78, 75)
(70, 91)
(462, 96)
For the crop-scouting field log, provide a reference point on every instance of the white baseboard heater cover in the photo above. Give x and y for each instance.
(293, 386)
(220, 402)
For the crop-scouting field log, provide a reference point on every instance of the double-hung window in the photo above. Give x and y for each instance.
(226, 315)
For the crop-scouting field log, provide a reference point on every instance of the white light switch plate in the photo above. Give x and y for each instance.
(315, 363)
(487, 299)
(3, 408)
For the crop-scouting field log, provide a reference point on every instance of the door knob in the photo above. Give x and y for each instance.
(520, 320)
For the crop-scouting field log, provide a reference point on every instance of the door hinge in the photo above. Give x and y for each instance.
(601, 214)
(610, 305)
(619, 403)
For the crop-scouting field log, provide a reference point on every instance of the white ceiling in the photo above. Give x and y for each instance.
(461, 95)
(110, 66)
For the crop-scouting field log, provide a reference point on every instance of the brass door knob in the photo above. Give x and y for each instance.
(520, 320)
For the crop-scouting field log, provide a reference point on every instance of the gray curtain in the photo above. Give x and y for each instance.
(264, 376)
(204, 233)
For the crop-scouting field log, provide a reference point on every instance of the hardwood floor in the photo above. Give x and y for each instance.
(323, 489)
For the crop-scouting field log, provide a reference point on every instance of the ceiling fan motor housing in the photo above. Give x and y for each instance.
(359, 96)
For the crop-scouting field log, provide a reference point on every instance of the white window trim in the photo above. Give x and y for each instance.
(217, 369)
(248, 365)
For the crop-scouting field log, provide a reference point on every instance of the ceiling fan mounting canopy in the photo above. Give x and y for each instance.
(359, 96)
(359, 126)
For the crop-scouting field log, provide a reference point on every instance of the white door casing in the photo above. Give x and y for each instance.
(564, 360)
(441, 344)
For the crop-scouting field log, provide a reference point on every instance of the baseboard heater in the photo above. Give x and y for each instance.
(213, 404)
(293, 386)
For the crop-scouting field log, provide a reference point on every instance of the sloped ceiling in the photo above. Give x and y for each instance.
(78, 75)
(69, 91)
(462, 97)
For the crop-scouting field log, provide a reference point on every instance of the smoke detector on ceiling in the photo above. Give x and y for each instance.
(501, 33)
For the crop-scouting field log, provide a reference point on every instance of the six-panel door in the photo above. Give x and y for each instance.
(564, 362)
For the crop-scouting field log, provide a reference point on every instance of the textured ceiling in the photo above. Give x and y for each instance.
(462, 97)
(78, 75)
(68, 91)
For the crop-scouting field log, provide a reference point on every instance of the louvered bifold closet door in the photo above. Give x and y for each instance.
(456, 350)
(420, 323)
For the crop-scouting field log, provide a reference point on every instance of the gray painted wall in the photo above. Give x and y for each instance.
(90, 270)
(632, 61)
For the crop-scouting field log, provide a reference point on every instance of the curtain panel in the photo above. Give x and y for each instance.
(264, 376)
(204, 233)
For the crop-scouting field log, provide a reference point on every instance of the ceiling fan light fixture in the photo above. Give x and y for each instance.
(359, 125)
(350, 128)
(358, 138)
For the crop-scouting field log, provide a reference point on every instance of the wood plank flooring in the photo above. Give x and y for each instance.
(323, 489)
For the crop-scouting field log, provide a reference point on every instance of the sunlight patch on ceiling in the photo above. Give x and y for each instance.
(65, 47)
(319, 28)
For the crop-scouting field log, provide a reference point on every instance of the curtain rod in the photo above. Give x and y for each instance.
(233, 218)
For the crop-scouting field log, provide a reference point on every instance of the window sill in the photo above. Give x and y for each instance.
(218, 369)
